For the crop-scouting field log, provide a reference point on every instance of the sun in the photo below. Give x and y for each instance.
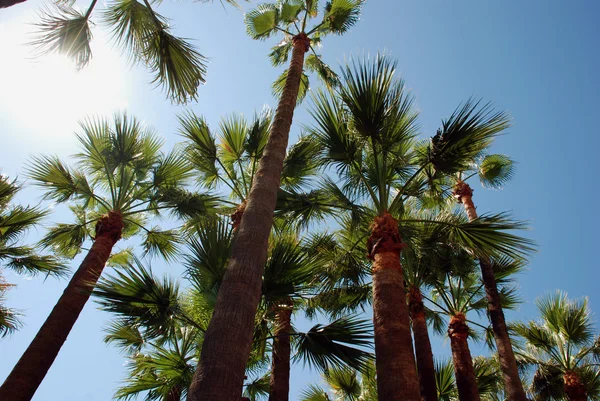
(47, 95)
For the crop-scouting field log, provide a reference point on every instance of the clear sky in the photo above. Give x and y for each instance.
(537, 59)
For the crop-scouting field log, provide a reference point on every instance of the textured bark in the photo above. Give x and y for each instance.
(30, 370)
(423, 352)
(9, 3)
(508, 363)
(279, 381)
(220, 372)
(574, 387)
(466, 382)
(397, 378)
(174, 394)
(236, 217)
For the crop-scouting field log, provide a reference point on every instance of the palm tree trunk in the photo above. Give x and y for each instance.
(220, 372)
(30, 370)
(394, 357)
(466, 382)
(174, 394)
(9, 3)
(423, 352)
(508, 363)
(279, 381)
(574, 387)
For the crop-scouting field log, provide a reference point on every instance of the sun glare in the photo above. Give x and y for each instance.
(47, 95)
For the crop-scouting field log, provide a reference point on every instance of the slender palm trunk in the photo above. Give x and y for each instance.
(220, 372)
(30, 370)
(423, 352)
(279, 381)
(466, 382)
(574, 387)
(394, 357)
(174, 394)
(508, 363)
(9, 3)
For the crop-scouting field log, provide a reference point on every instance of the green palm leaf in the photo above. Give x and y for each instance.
(495, 170)
(65, 31)
(262, 21)
(334, 345)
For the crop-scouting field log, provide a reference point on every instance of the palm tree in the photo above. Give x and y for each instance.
(151, 314)
(221, 368)
(232, 163)
(15, 221)
(288, 277)
(344, 384)
(366, 130)
(121, 179)
(471, 130)
(457, 292)
(486, 371)
(138, 29)
(563, 350)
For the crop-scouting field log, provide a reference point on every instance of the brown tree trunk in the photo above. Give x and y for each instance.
(394, 357)
(466, 382)
(220, 372)
(423, 352)
(508, 363)
(30, 370)
(574, 387)
(9, 3)
(279, 381)
(174, 394)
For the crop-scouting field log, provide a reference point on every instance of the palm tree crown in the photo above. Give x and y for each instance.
(563, 350)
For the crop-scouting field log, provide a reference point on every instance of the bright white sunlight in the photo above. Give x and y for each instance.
(47, 94)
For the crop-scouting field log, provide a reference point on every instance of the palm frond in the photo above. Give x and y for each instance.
(136, 295)
(162, 242)
(314, 393)
(64, 31)
(279, 84)
(495, 170)
(334, 345)
(464, 136)
(176, 64)
(340, 16)
(262, 21)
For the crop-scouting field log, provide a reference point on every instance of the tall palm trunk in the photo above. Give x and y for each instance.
(394, 357)
(220, 372)
(9, 3)
(30, 370)
(423, 352)
(279, 381)
(508, 363)
(466, 381)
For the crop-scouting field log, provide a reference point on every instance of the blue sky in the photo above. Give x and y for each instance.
(538, 60)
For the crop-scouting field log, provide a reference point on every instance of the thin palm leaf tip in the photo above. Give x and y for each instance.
(120, 172)
(561, 349)
(143, 34)
(291, 18)
(153, 327)
(15, 222)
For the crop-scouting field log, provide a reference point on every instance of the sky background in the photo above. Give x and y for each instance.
(538, 60)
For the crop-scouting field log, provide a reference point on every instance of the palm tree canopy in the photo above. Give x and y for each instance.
(562, 341)
(292, 18)
(344, 384)
(120, 168)
(140, 31)
(15, 221)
